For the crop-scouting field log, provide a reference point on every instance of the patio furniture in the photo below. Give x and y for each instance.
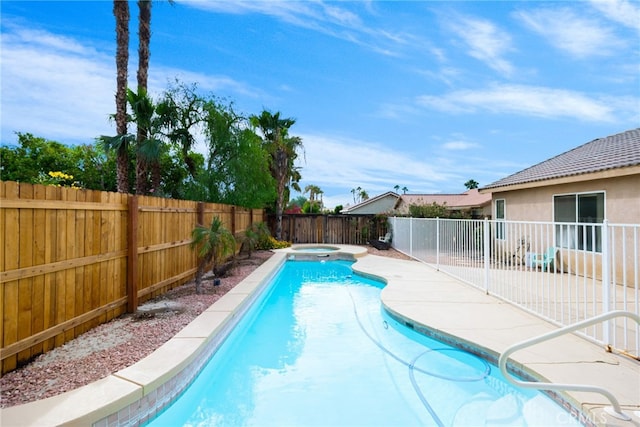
(383, 242)
(546, 260)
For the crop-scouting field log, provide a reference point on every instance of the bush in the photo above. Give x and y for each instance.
(272, 243)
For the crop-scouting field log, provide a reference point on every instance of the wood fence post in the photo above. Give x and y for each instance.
(200, 214)
(233, 220)
(132, 256)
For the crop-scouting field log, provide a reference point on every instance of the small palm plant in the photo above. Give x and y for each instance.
(254, 235)
(213, 244)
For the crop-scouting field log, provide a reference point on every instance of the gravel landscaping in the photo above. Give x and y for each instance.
(121, 342)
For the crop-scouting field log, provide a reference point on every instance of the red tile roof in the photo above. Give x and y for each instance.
(613, 152)
(468, 199)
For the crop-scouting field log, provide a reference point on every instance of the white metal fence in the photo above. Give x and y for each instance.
(562, 272)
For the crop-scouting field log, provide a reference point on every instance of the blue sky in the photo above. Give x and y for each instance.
(420, 94)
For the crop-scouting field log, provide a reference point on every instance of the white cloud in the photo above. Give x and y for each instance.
(580, 36)
(485, 42)
(328, 18)
(344, 163)
(57, 88)
(533, 101)
(620, 11)
(459, 145)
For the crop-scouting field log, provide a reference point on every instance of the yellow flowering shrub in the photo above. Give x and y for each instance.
(59, 179)
(272, 243)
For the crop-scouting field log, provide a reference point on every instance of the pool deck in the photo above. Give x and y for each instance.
(428, 299)
(448, 308)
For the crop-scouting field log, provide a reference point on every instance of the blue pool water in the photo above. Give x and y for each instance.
(317, 349)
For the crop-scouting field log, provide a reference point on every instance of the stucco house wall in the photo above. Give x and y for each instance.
(610, 165)
(622, 199)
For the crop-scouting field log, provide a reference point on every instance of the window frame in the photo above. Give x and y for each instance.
(500, 221)
(575, 235)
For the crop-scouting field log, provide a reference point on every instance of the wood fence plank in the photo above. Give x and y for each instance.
(64, 259)
(108, 237)
(70, 195)
(50, 294)
(132, 257)
(97, 268)
(39, 245)
(3, 238)
(25, 286)
(79, 244)
(11, 261)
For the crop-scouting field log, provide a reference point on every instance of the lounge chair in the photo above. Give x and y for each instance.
(546, 261)
(382, 243)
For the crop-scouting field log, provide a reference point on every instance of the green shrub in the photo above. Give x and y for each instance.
(272, 243)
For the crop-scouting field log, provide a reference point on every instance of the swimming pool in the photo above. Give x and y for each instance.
(318, 349)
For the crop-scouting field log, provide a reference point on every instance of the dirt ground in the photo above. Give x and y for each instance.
(121, 342)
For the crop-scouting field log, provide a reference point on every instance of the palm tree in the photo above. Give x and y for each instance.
(404, 190)
(256, 233)
(213, 244)
(148, 147)
(121, 13)
(356, 192)
(144, 39)
(283, 151)
(397, 188)
(471, 184)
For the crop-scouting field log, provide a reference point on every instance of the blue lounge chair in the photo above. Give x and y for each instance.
(546, 261)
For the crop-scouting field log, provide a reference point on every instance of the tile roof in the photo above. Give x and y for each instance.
(369, 201)
(613, 152)
(468, 199)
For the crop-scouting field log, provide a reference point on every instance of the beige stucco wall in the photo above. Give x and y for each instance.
(622, 206)
(622, 199)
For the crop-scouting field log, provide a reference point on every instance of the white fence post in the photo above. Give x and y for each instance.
(606, 278)
(437, 243)
(411, 236)
(485, 250)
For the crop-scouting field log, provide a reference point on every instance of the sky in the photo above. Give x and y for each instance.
(424, 95)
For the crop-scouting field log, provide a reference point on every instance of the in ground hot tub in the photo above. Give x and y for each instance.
(315, 248)
(302, 252)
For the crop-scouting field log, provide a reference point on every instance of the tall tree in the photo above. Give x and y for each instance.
(356, 194)
(315, 195)
(282, 149)
(143, 163)
(181, 111)
(121, 13)
(471, 184)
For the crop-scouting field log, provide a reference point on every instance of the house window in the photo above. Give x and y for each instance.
(575, 213)
(500, 216)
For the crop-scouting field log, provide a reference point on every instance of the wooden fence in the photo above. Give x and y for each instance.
(71, 259)
(331, 229)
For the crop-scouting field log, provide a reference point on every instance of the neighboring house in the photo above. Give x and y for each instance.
(383, 203)
(596, 181)
(470, 203)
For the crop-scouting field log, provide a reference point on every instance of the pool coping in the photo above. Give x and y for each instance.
(461, 315)
(135, 394)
